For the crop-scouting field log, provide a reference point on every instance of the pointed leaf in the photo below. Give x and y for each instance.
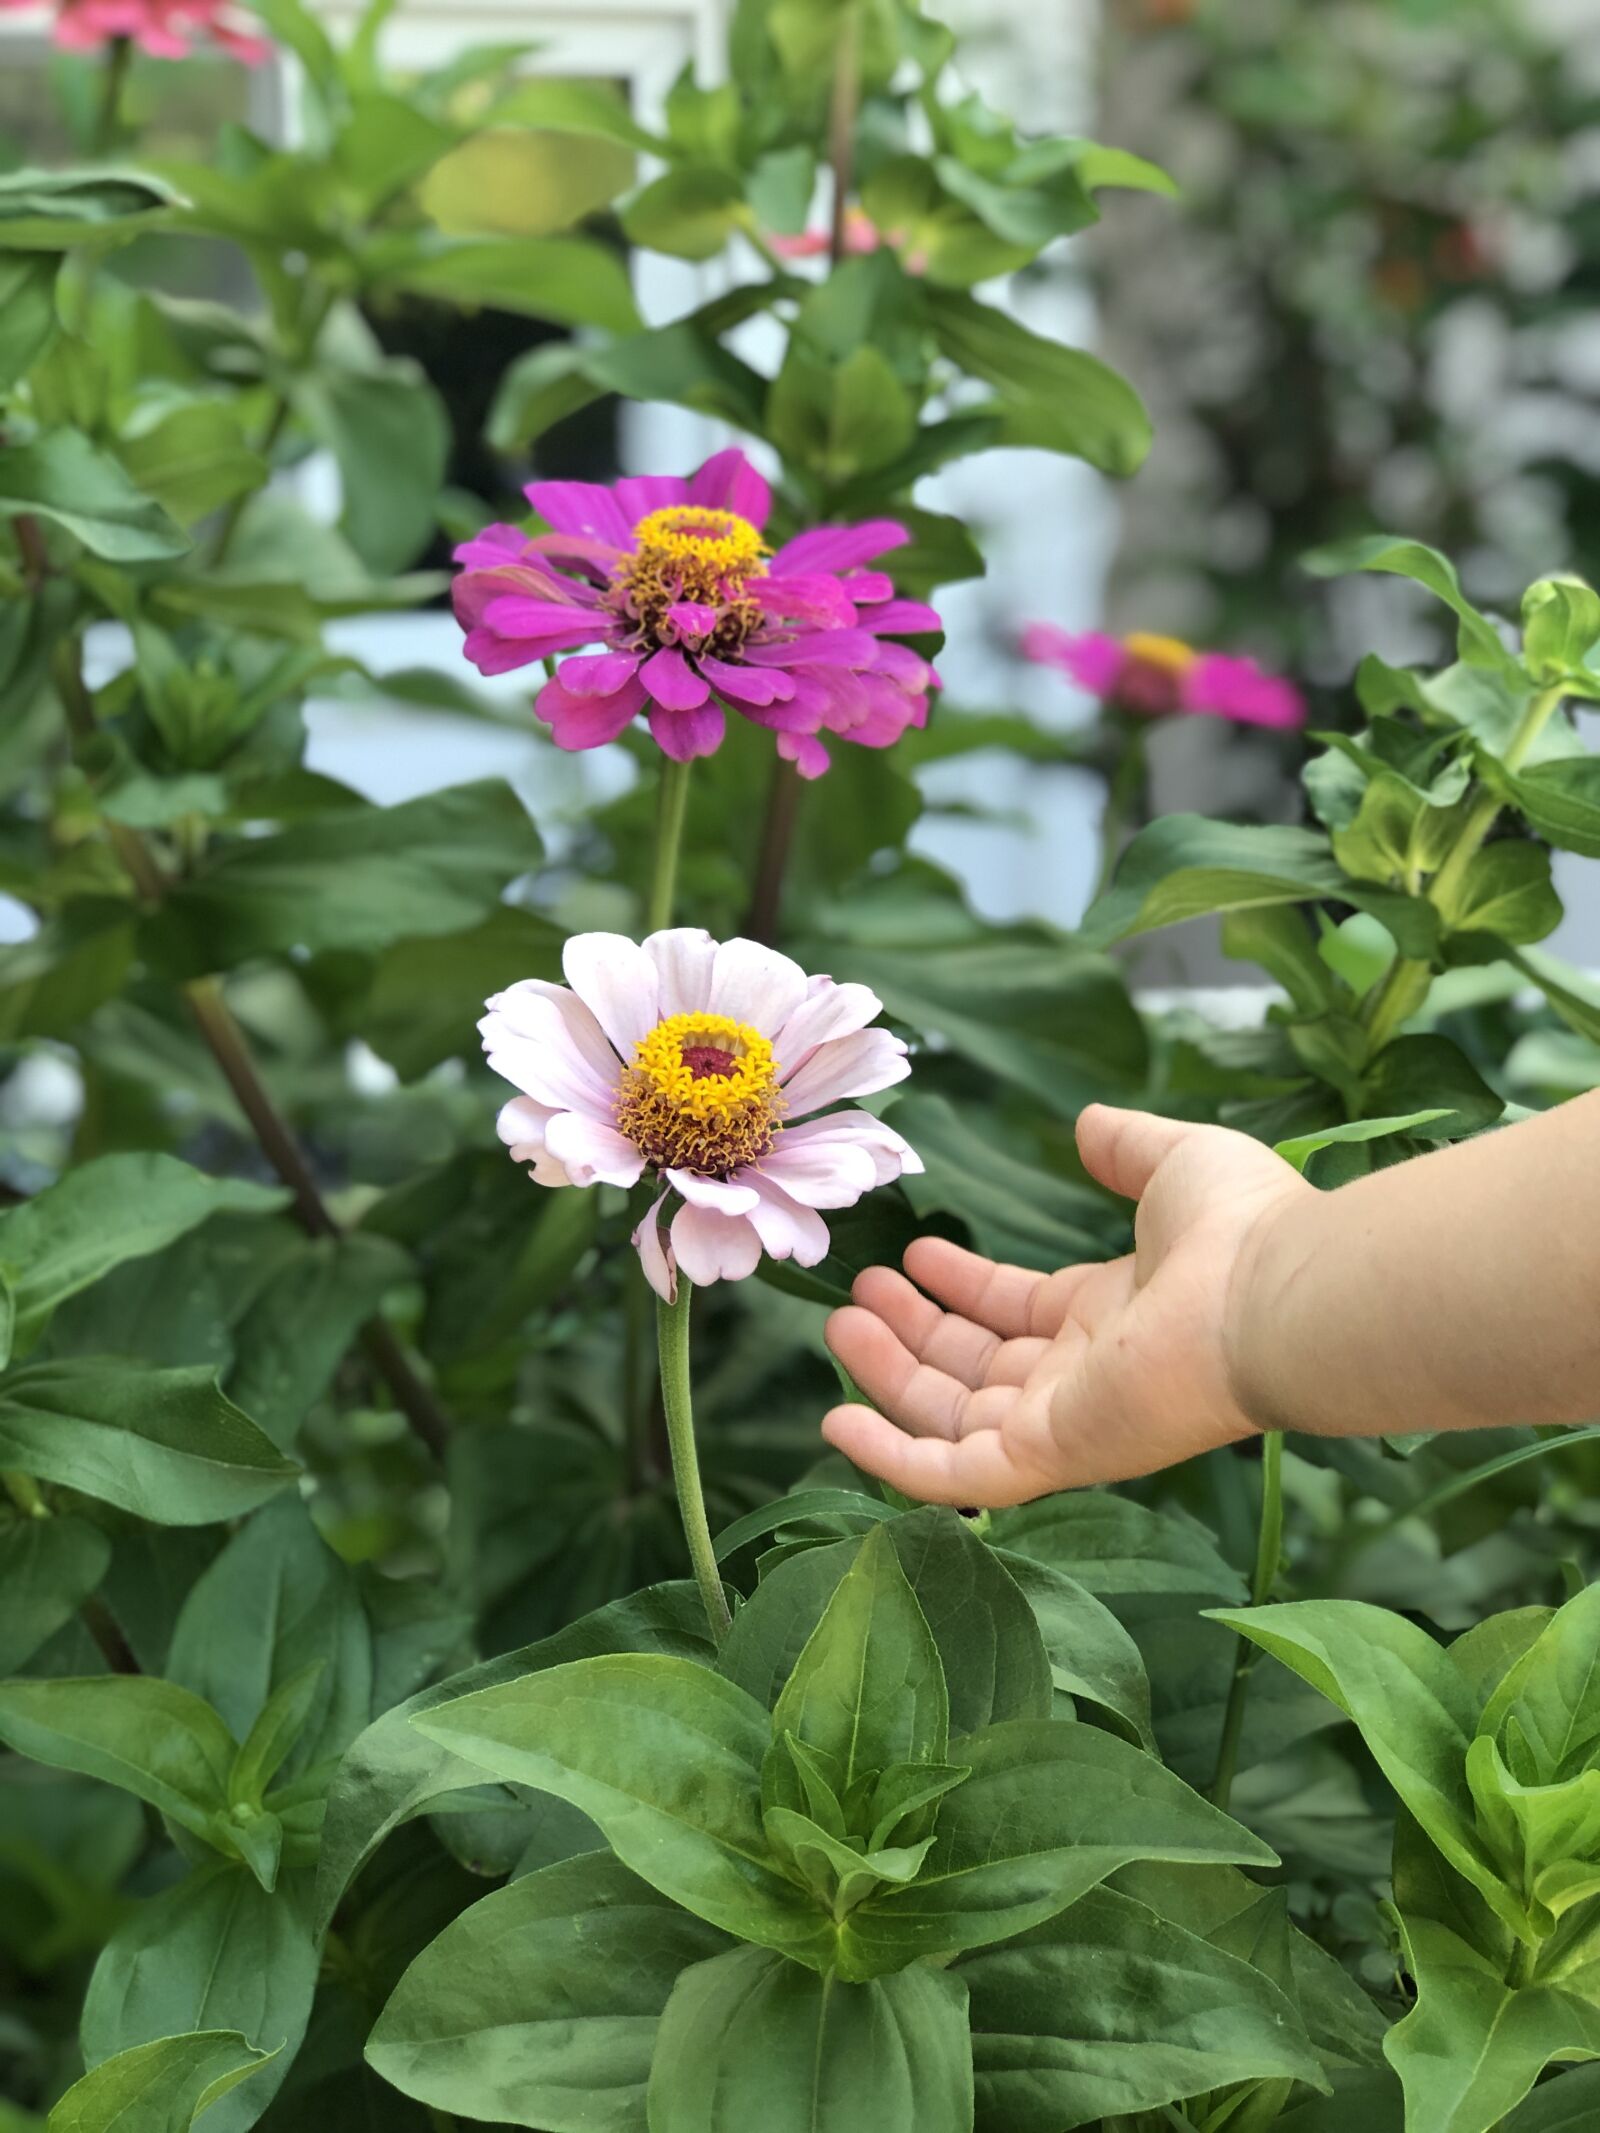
(157, 2088)
(132, 1730)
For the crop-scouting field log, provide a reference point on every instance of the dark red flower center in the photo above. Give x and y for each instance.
(704, 1059)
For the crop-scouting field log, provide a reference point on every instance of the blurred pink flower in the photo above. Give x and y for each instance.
(693, 613)
(1155, 677)
(699, 1063)
(861, 234)
(163, 28)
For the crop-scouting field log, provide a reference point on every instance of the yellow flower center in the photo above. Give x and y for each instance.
(702, 1095)
(1170, 654)
(691, 553)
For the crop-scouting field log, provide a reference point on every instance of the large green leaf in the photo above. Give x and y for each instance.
(193, 459)
(62, 477)
(160, 2087)
(351, 879)
(116, 1208)
(1477, 637)
(1054, 397)
(276, 1601)
(751, 2040)
(28, 321)
(1473, 2046)
(393, 1770)
(56, 978)
(1183, 866)
(1415, 1711)
(868, 1690)
(988, 1642)
(1560, 799)
(539, 2006)
(1110, 2008)
(163, 1444)
(1014, 1209)
(48, 1567)
(565, 279)
(1048, 1811)
(156, 1741)
(666, 1757)
(1091, 1655)
(388, 432)
(1570, 2105)
(52, 210)
(214, 1947)
(1111, 1544)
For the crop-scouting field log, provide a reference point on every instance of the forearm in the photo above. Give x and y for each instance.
(1459, 1290)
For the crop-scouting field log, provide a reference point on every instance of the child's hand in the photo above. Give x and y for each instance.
(1026, 1383)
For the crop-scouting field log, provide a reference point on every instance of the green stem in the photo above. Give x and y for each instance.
(777, 836)
(1122, 800)
(672, 1333)
(1269, 1549)
(672, 804)
(113, 80)
(842, 111)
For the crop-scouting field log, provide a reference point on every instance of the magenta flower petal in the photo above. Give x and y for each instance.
(822, 600)
(685, 734)
(692, 618)
(578, 722)
(728, 482)
(673, 682)
(493, 546)
(1092, 660)
(638, 495)
(839, 548)
(1238, 689)
(806, 753)
(747, 685)
(845, 648)
(598, 673)
(868, 587)
(542, 626)
(584, 507)
(904, 618)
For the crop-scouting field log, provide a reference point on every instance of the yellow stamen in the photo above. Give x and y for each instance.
(720, 541)
(1170, 654)
(701, 1095)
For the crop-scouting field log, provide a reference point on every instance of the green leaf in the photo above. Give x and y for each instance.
(868, 1690)
(117, 1208)
(163, 1444)
(1414, 1709)
(298, 1328)
(425, 996)
(1303, 1146)
(568, 280)
(1014, 1209)
(1111, 1544)
(393, 1771)
(666, 1757)
(1421, 1072)
(690, 211)
(213, 1947)
(751, 2040)
(355, 879)
(1183, 866)
(154, 1740)
(1112, 2009)
(1560, 799)
(1560, 629)
(1473, 2046)
(65, 479)
(27, 312)
(571, 104)
(1568, 2105)
(193, 459)
(160, 2087)
(539, 2006)
(988, 1642)
(1476, 637)
(48, 1568)
(52, 210)
(802, 1507)
(389, 434)
(1092, 1657)
(1552, 1692)
(57, 978)
(1506, 890)
(276, 1602)
(1048, 1811)
(1054, 397)
(1574, 998)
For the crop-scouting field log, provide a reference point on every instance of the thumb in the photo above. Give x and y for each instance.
(1122, 1149)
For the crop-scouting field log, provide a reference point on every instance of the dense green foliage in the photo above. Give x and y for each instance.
(373, 1762)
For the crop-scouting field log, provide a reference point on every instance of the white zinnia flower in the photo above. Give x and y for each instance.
(706, 1064)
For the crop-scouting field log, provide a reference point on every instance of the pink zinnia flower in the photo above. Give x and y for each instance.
(703, 1064)
(1153, 677)
(692, 612)
(163, 28)
(861, 235)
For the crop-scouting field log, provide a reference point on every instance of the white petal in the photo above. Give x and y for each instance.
(733, 1198)
(617, 982)
(750, 983)
(521, 1125)
(713, 1247)
(683, 956)
(828, 1011)
(655, 1255)
(822, 1174)
(848, 1066)
(591, 1153)
(786, 1229)
(544, 1039)
(893, 1156)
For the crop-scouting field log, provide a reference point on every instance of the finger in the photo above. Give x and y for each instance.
(1014, 1362)
(925, 1401)
(982, 1290)
(1121, 1149)
(939, 1338)
(979, 1470)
